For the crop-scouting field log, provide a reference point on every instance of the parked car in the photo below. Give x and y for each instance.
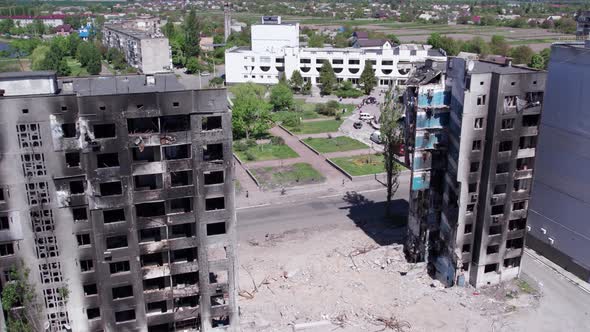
(366, 116)
(376, 137)
(371, 100)
(205, 73)
(357, 125)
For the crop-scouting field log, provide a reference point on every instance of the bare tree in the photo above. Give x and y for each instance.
(391, 139)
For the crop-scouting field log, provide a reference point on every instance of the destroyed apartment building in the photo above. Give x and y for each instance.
(471, 132)
(116, 195)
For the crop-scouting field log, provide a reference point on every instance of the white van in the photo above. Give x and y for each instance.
(366, 116)
(376, 137)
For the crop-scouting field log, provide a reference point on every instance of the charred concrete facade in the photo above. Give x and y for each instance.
(468, 210)
(119, 189)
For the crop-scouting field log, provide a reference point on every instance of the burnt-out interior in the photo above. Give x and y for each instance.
(174, 152)
(213, 152)
(76, 187)
(146, 154)
(115, 215)
(183, 230)
(125, 315)
(214, 203)
(72, 159)
(68, 130)
(190, 278)
(188, 301)
(159, 306)
(106, 130)
(183, 255)
(93, 313)
(213, 177)
(218, 300)
(116, 242)
(111, 188)
(219, 321)
(150, 235)
(152, 209)
(90, 289)
(154, 283)
(147, 182)
(154, 259)
(216, 228)
(143, 125)
(181, 205)
(122, 292)
(181, 178)
(211, 123)
(104, 160)
(80, 214)
(174, 123)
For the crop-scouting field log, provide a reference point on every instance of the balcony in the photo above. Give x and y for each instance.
(523, 174)
(529, 131)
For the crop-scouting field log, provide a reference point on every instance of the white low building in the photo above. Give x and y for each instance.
(275, 51)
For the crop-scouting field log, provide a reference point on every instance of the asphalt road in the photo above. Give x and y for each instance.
(562, 300)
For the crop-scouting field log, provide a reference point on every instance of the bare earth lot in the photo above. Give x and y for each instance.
(340, 278)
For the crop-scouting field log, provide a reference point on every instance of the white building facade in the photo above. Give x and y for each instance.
(275, 51)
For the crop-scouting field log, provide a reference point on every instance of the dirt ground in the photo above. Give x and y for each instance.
(345, 278)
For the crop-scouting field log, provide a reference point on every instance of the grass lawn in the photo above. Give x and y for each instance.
(361, 165)
(76, 67)
(287, 176)
(268, 151)
(8, 65)
(334, 144)
(325, 126)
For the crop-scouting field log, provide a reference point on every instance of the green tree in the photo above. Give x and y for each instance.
(296, 81)
(476, 45)
(178, 57)
(73, 40)
(281, 98)
(6, 25)
(55, 60)
(169, 30)
(566, 25)
(316, 40)
(393, 38)
(368, 79)
(37, 27)
(193, 66)
(448, 44)
(192, 31)
(522, 54)
(38, 57)
(250, 112)
(327, 78)
(537, 62)
(545, 53)
(391, 140)
(306, 90)
(93, 63)
(20, 293)
(74, 20)
(499, 45)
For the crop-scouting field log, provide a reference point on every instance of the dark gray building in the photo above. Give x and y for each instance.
(560, 207)
(118, 192)
(470, 187)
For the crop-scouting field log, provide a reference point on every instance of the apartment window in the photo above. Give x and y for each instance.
(219, 321)
(83, 239)
(143, 125)
(175, 104)
(213, 177)
(4, 223)
(492, 249)
(125, 316)
(387, 63)
(181, 205)
(149, 154)
(495, 230)
(507, 124)
(505, 146)
(304, 60)
(503, 168)
(481, 100)
(175, 123)
(470, 208)
(218, 277)
(93, 313)
(490, 268)
(320, 61)
(76, 187)
(476, 145)
(122, 292)
(474, 166)
(354, 62)
(520, 205)
(105, 160)
(147, 182)
(80, 214)
(338, 61)
(213, 152)
(107, 130)
(6, 249)
(175, 152)
(216, 228)
(156, 283)
(111, 216)
(111, 188)
(516, 224)
(530, 120)
(512, 262)
(478, 123)
(148, 210)
(150, 235)
(90, 289)
(183, 230)
(468, 229)
(534, 98)
(466, 248)
(154, 259)
(528, 142)
(214, 203)
(68, 130)
(497, 209)
(500, 189)
(510, 101)
(184, 255)
(72, 159)
(156, 307)
(119, 267)
(86, 265)
(181, 178)
(523, 164)
(115, 242)
(522, 184)
(515, 243)
(211, 123)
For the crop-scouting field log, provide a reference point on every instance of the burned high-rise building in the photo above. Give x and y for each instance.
(116, 196)
(471, 134)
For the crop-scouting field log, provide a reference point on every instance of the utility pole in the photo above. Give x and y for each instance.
(226, 20)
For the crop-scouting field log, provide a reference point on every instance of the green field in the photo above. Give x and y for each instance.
(287, 176)
(267, 151)
(8, 65)
(334, 144)
(316, 127)
(361, 165)
(76, 67)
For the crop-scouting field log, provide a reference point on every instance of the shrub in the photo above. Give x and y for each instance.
(249, 156)
(243, 145)
(277, 140)
(338, 116)
(355, 93)
(324, 109)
